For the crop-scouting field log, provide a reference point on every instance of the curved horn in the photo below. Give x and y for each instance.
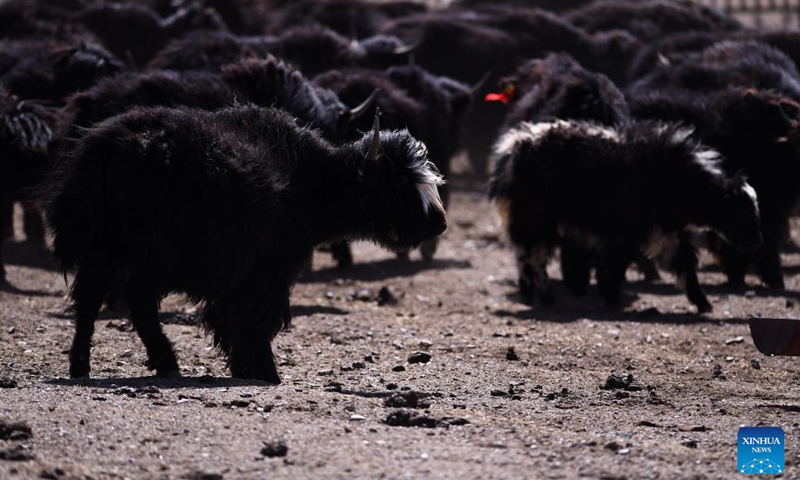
(407, 48)
(474, 89)
(372, 155)
(363, 107)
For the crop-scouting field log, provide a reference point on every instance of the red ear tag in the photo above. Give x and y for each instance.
(495, 97)
(505, 96)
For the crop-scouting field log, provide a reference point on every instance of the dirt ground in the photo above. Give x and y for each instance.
(511, 392)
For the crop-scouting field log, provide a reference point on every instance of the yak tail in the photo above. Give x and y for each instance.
(81, 216)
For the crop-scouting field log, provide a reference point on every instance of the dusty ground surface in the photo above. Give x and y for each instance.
(537, 413)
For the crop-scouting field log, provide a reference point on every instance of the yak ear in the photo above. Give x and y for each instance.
(372, 155)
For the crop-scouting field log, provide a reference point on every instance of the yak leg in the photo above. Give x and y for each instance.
(35, 231)
(647, 266)
(6, 230)
(428, 249)
(245, 332)
(734, 263)
(768, 264)
(143, 301)
(533, 279)
(684, 264)
(88, 292)
(576, 266)
(612, 264)
(342, 254)
(251, 353)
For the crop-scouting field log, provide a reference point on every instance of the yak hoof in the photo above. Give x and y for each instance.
(402, 255)
(79, 370)
(428, 249)
(704, 308)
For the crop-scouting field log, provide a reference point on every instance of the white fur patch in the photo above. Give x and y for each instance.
(427, 178)
(710, 160)
(680, 135)
(535, 132)
(751, 192)
(430, 196)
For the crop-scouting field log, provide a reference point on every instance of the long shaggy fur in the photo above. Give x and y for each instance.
(312, 50)
(610, 189)
(433, 108)
(226, 207)
(267, 82)
(758, 132)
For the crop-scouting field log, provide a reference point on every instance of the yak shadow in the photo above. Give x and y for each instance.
(205, 381)
(336, 388)
(172, 317)
(563, 314)
(9, 288)
(308, 310)
(382, 270)
(29, 254)
(785, 408)
(570, 308)
(719, 289)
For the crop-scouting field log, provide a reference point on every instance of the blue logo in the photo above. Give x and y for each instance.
(761, 450)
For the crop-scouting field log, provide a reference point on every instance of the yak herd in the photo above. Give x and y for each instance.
(208, 146)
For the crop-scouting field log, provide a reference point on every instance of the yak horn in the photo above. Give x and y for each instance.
(474, 89)
(372, 155)
(361, 109)
(407, 48)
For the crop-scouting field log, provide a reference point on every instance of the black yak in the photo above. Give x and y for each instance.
(558, 87)
(136, 33)
(226, 207)
(312, 49)
(28, 131)
(464, 46)
(758, 133)
(747, 64)
(651, 20)
(265, 82)
(349, 18)
(616, 191)
(51, 69)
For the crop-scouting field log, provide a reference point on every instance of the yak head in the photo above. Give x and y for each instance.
(402, 187)
(738, 219)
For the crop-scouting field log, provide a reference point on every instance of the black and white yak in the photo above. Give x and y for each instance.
(226, 207)
(758, 133)
(559, 88)
(616, 191)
